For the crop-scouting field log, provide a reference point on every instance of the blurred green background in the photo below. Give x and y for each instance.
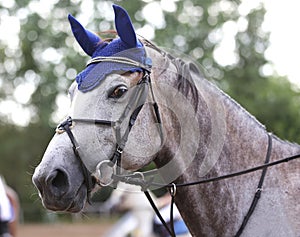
(39, 60)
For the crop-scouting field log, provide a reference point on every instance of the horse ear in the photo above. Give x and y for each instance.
(124, 27)
(86, 39)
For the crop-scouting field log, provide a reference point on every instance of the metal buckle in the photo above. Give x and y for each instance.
(119, 150)
(173, 190)
(61, 127)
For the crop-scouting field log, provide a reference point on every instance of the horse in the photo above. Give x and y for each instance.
(122, 118)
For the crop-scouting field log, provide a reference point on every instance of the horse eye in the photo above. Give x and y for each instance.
(118, 92)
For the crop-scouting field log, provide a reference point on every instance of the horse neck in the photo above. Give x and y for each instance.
(230, 140)
(225, 129)
(224, 126)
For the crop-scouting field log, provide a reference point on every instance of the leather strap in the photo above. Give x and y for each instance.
(258, 190)
(66, 126)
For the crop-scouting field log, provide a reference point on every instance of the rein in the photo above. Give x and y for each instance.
(136, 102)
(135, 179)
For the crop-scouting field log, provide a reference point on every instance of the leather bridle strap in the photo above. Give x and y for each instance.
(66, 126)
(136, 102)
(170, 230)
(95, 121)
(258, 190)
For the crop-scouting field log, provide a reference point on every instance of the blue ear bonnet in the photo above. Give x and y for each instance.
(90, 77)
(127, 45)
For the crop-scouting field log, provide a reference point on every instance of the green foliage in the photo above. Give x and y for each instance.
(21, 149)
(192, 27)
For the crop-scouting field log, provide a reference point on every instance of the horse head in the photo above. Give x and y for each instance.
(114, 92)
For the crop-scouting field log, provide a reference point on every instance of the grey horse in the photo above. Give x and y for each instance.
(205, 134)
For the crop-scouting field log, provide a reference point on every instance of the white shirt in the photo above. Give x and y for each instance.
(6, 213)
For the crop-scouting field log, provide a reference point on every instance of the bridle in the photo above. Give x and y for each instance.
(132, 110)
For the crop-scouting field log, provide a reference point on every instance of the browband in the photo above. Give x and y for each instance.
(123, 60)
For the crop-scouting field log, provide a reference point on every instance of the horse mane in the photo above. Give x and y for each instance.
(185, 83)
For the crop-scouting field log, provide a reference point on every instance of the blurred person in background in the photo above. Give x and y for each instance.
(139, 219)
(8, 210)
(164, 205)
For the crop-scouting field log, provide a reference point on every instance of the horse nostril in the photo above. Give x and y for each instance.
(60, 179)
(58, 182)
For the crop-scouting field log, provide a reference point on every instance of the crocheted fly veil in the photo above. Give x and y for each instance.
(126, 46)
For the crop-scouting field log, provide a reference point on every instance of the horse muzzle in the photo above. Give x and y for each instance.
(57, 192)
